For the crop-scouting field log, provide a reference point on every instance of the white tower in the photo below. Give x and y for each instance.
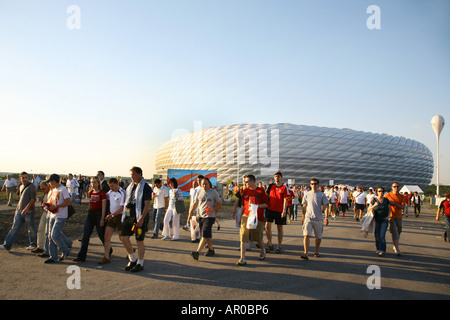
(437, 123)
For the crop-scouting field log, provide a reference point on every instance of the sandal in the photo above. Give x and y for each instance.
(316, 255)
(278, 250)
(304, 256)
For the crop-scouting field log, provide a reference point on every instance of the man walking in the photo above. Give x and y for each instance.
(314, 202)
(160, 197)
(135, 218)
(10, 185)
(397, 201)
(360, 202)
(208, 202)
(72, 186)
(252, 195)
(276, 210)
(24, 214)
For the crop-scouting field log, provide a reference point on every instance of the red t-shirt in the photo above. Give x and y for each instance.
(276, 197)
(446, 205)
(258, 196)
(289, 199)
(96, 197)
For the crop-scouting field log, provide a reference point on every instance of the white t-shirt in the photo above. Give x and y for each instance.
(160, 195)
(331, 195)
(360, 197)
(344, 195)
(72, 185)
(10, 183)
(314, 202)
(369, 198)
(174, 194)
(116, 200)
(57, 196)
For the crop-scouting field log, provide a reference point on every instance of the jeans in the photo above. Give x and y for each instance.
(447, 228)
(295, 211)
(19, 221)
(46, 247)
(56, 238)
(92, 220)
(380, 235)
(73, 198)
(416, 209)
(157, 216)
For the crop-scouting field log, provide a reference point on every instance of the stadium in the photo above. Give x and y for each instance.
(300, 152)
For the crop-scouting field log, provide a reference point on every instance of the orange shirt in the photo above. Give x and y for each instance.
(398, 198)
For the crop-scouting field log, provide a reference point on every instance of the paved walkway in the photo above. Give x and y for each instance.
(342, 272)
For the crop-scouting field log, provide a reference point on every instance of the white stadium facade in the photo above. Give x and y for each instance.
(300, 152)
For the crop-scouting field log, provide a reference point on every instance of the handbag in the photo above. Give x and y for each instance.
(70, 211)
(179, 206)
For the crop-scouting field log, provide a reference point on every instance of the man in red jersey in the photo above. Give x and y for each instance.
(276, 210)
(444, 207)
(252, 195)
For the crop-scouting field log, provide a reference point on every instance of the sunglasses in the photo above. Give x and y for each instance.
(313, 184)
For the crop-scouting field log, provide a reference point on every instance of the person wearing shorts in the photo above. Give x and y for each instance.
(252, 195)
(360, 202)
(135, 218)
(116, 197)
(276, 211)
(208, 202)
(314, 202)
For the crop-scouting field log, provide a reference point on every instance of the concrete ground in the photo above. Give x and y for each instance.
(342, 272)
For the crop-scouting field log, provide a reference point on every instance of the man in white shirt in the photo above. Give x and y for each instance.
(36, 181)
(58, 201)
(160, 197)
(331, 196)
(343, 200)
(72, 186)
(10, 184)
(314, 203)
(360, 202)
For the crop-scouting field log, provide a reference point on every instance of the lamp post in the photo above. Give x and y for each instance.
(437, 123)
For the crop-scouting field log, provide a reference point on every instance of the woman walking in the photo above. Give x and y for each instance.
(171, 214)
(381, 210)
(95, 218)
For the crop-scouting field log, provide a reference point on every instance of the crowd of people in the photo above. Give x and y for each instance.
(127, 208)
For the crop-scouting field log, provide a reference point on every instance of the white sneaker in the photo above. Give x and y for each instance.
(31, 248)
(165, 238)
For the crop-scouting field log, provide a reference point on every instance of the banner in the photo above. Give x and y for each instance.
(186, 178)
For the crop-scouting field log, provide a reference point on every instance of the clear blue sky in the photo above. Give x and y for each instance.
(107, 95)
